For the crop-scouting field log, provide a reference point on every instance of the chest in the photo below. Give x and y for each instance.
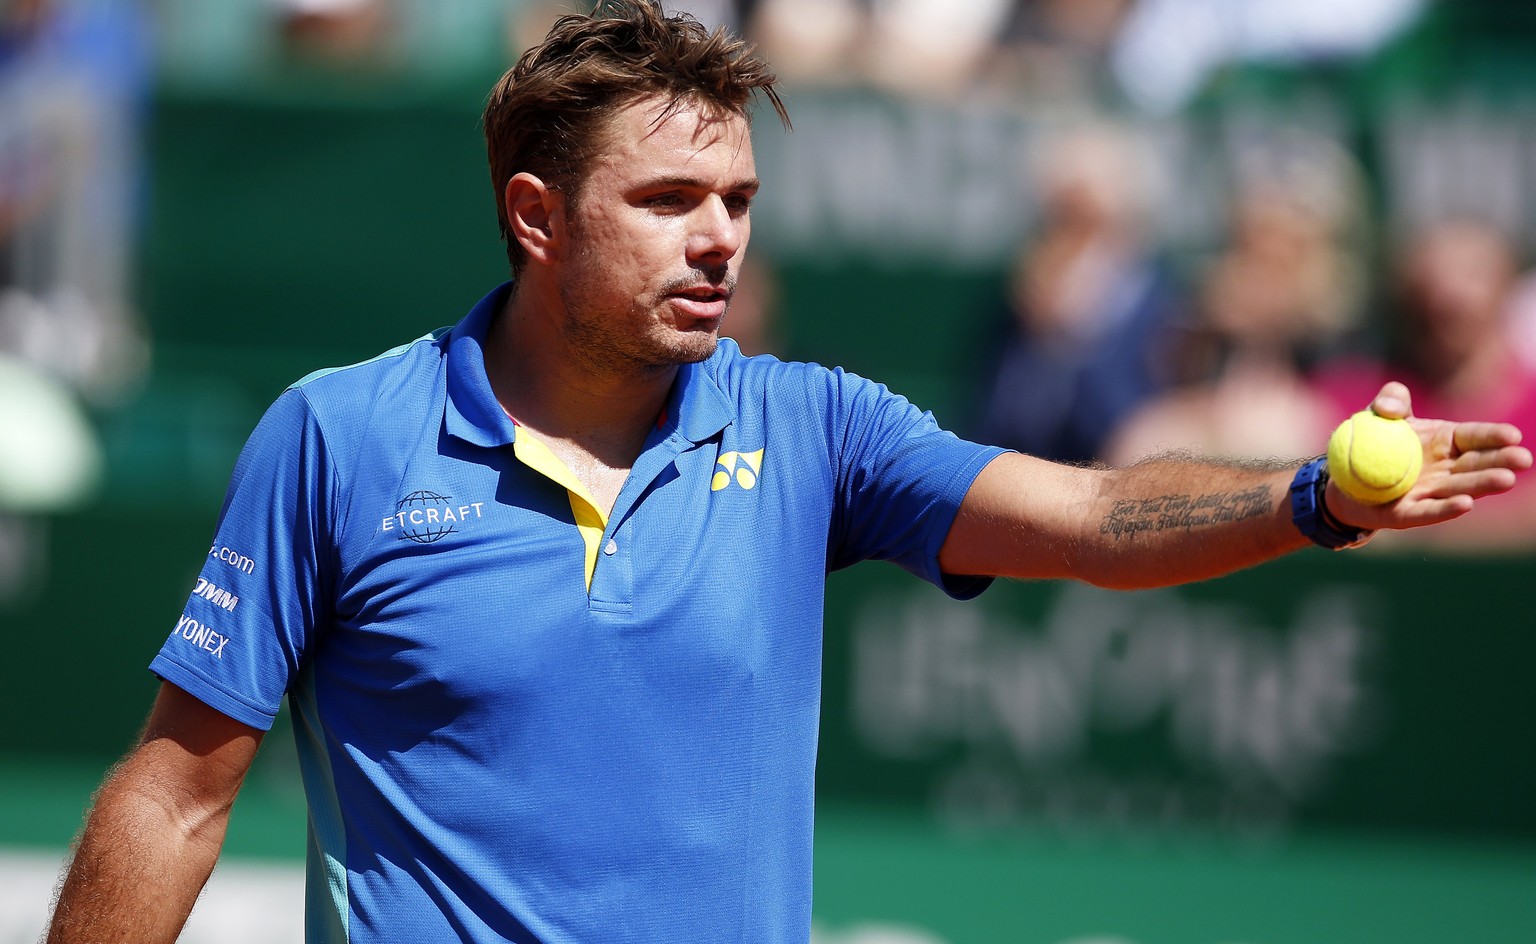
(470, 576)
(602, 479)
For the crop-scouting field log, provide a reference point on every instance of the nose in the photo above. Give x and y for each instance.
(719, 234)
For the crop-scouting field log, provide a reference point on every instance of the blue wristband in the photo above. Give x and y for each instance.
(1310, 514)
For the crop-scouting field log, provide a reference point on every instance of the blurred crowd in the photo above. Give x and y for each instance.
(1107, 346)
(1153, 52)
(1109, 352)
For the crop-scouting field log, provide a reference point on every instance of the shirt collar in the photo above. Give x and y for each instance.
(696, 409)
(472, 412)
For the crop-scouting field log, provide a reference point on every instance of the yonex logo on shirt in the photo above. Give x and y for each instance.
(200, 635)
(426, 517)
(743, 468)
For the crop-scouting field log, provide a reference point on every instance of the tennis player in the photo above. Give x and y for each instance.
(543, 589)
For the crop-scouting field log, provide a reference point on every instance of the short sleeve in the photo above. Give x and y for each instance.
(900, 482)
(258, 601)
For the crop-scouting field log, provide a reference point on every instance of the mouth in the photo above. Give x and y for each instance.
(703, 301)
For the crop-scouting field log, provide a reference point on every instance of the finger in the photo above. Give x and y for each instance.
(1477, 484)
(1431, 511)
(1513, 458)
(1393, 401)
(1472, 436)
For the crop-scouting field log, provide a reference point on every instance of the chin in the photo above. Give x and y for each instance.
(692, 348)
(674, 353)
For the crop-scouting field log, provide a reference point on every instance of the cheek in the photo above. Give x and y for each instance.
(635, 243)
(601, 254)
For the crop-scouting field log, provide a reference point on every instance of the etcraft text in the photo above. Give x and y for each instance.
(431, 515)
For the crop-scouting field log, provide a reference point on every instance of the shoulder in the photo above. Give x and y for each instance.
(730, 368)
(788, 384)
(340, 408)
(855, 420)
(398, 370)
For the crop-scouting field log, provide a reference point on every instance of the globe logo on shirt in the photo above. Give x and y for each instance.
(422, 518)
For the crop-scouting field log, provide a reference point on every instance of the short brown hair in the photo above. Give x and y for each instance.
(546, 115)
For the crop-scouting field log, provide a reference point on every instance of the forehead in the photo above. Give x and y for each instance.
(688, 139)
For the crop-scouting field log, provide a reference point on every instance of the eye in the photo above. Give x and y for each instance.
(664, 201)
(738, 203)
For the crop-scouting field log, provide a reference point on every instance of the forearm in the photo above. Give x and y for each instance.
(140, 863)
(1168, 520)
(1175, 519)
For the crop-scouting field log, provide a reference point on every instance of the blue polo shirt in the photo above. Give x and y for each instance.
(519, 719)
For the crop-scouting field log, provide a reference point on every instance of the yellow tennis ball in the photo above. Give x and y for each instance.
(1373, 458)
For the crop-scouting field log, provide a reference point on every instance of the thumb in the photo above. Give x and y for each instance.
(1393, 401)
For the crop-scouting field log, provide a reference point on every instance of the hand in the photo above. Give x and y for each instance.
(1462, 463)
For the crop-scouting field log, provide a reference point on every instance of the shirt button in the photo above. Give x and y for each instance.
(611, 548)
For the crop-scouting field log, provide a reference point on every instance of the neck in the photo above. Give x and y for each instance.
(605, 410)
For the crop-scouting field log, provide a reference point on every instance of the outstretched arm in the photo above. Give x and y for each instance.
(1174, 519)
(158, 823)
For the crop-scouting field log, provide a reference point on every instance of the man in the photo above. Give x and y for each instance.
(544, 589)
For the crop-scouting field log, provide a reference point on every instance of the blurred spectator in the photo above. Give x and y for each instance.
(810, 41)
(1284, 290)
(350, 34)
(1086, 303)
(1058, 49)
(1450, 344)
(73, 74)
(936, 48)
(1168, 48)
(929, 47)
(1156, 53)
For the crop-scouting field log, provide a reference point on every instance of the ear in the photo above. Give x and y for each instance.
(536, 215)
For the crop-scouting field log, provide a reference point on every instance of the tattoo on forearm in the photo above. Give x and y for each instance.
(1130, 517)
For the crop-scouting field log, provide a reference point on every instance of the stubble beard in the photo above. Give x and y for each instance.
(597, 338)
(632, 340)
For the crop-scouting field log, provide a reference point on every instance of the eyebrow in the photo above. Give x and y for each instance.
(752, 184)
